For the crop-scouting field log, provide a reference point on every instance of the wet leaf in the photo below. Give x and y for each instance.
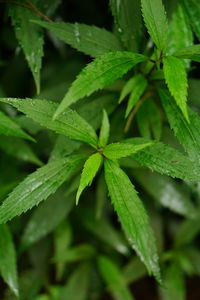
(132, 216)
(127, 17)
(90, 169)
(99, 73)
(30, 38)
(156, 21)
(9, 127)
(176, 79)
(69, 123)
(165, 160)
(119, 150)
(90, 40)
(38, 186)
(187, 134)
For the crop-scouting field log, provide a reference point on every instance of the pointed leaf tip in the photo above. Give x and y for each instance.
(90, 169)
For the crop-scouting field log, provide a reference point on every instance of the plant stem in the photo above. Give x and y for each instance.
(135, 109)
(29, 6)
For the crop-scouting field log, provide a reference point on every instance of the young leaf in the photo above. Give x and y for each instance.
(127, 16)
(156, 21)
(166, 160)
(68, 123)
(180, 33)
(99, 73)
(149, 120)
(19, 149)
(193, 10)
(30, 38)
(119, 150)
(90, 40)
(132, 216)
(8, 267)
(191, 52)
(38, 186)
(56, 209)
(187, 134)
(78, 284)
(9, 127)
(176, 79)
(114, 279)
(138, 88)
(90, 169)
(104, 131)
(127, 88)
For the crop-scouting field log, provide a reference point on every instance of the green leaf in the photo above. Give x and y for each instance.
(99, 73)
(132, 216)
(127, 16)
(180, 33)
(38, 186)
(114, 279)
(166, 191)
(149, 120)
(187, 134)
(77, 253)
(99, 227)
(176, 79)
(101, 196)
(193, 10)
(119, 150)
(165, 160)
(8, 266)
(174, 284)
(19, 149)
(30, 38)
(104, 131)
(191, 52)
(90, 169)
(139, 85)
(156, 21)
(90, 110)
(9, 127)
(78, 284)
(62, 240)
(187, 232)
(69, 123)
(134, 270)
(63, 146)
(127, 88)
(56, 208)
(90, 40)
